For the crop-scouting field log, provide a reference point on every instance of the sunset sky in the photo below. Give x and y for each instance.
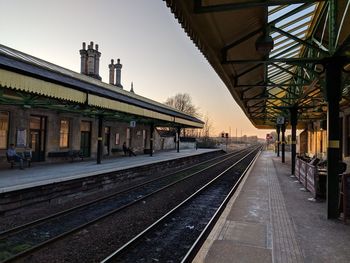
(157, 55)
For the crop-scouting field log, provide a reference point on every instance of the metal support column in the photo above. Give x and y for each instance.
(278, 139)
(178, 130)
(151, 140)
(283, 129)
(99, 139)
(293, 122)
(333, 91)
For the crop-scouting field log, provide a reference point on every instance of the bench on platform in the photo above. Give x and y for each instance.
(117, 151)
(344, 204)
(10, 160)
(71, 154)
(26, 156)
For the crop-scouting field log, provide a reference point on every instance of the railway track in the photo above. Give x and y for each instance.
(20, 241)
(176, 237)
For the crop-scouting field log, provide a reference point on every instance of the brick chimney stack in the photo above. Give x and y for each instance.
(90, 60)
(83, 60)
(97, 62)
(118, 68)
(111, 72)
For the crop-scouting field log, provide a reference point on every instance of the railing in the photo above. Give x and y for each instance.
(345, 197)
(311, 178)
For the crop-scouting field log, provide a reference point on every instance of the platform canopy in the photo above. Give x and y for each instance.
(271, 54)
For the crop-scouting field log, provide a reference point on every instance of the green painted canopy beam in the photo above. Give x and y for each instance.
(239, 41)
(293, 61)
(290, 72)
(271, 84)
(333, 27)
(200, 9)
(283, 89)
(248, 70)
(305, 43)
(253, 33)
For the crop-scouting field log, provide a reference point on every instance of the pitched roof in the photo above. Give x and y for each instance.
(24, 64)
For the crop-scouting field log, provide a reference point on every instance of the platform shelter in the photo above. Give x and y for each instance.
(286, 64)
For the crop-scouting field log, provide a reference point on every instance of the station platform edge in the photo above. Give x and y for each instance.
(269, 219)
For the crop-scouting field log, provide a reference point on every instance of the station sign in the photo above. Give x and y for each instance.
(280, 120)
(132, 124)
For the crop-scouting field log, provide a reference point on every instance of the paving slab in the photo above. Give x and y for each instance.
(269, 219)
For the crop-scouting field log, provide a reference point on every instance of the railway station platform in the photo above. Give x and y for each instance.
(42, 174)
(269, 219)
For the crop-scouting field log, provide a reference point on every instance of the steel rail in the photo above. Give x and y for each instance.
(7, 232)
(206, 231)
(127, 245)
(73, 230)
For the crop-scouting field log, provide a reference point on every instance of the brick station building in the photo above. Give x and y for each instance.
(54, 110)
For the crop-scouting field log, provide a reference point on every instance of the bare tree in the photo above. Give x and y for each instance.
(183, 102)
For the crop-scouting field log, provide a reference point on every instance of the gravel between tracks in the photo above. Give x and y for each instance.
(33, 212)
(95, 242)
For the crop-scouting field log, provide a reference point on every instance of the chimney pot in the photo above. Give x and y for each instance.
(96, 47)
(112, 61)
(84, 45)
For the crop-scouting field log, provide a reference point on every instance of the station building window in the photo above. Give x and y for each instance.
(64, 134)
(4, 129)
(117, 138)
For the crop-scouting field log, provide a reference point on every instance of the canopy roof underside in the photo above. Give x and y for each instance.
(267, 84)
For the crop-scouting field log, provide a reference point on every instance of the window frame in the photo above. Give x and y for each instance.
(6, 135)
(62, 134)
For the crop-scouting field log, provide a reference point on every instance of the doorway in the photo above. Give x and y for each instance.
(37, 136)
(107, 141)
(85, 138)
